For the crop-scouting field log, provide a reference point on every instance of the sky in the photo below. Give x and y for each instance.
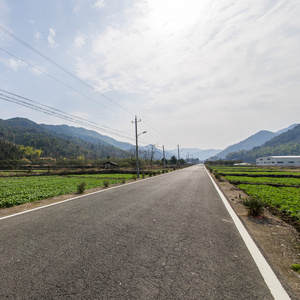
(200, 74)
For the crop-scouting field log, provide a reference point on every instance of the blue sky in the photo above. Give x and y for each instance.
(202, 74)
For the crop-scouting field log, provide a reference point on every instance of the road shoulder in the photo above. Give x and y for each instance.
(277, 240)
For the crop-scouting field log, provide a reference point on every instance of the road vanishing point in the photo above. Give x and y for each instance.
(167, 237)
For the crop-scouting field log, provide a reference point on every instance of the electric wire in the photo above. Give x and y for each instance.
(70, 74)
(58, 66)
(57, 80)
(11, 97)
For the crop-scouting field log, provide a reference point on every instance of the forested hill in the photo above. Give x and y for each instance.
(287, 143)
(24, 132)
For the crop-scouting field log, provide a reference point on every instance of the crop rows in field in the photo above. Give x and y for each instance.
(259, 182)
(264, 180)
(286, 199)
(15, 191)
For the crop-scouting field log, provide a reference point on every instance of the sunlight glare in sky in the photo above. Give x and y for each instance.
(173, 16)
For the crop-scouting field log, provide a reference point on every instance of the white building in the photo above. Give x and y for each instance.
(278, 161)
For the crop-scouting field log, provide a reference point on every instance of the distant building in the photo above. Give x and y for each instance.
(278, 161)
(109, 165)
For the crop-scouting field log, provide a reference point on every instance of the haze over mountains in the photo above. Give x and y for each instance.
(255, 140)
(67, 140)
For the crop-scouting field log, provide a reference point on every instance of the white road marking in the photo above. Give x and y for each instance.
(267, 273)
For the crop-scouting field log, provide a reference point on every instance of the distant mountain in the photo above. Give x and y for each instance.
(87, 135)
(286, 143)
(251, 142)
(286, 129)
(24, 132)
(195, 153)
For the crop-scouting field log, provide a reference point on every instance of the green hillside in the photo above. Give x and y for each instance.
(287, 143)
(24, 132)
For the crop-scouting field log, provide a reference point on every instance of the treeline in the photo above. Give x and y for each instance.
(10, 151)
(250, 156)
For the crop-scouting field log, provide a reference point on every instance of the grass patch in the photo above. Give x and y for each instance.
(295, 267)
(255, 206)
(81, 187)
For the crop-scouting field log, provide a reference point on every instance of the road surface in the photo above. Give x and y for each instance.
(166, 237)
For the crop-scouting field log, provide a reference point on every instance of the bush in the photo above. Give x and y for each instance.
(81, 187)
(255, 206)
(134, 177)
(143, 175)
(295, 267)
(123, 180)
(106, 182)
(218, 176)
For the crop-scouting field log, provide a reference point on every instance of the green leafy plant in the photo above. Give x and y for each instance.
(255, 206)
(106, 182)
(218, 175)
(134, 177)
(143, 175)
(81, 187)
(295, 267)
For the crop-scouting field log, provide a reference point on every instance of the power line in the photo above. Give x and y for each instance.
(14, 98)
(58, 65)
(52, 77)
(67, 72)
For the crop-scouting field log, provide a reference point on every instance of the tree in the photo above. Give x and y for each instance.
(173, 160)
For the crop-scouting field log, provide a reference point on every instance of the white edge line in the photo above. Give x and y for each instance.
(267, 273)
(74, 198)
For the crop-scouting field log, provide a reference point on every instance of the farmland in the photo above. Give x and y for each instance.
(20, 190)
(278, 188)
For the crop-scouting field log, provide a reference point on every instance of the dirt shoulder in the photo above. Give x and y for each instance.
(277, 240)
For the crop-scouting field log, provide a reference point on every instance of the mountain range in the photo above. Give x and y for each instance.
(255, 140)
(70, 141)
(284, 144)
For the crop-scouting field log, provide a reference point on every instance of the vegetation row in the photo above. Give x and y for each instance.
(279, 190)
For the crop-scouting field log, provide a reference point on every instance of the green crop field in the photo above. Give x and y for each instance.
(255, 182)
(20, 190)
(264, 180)
(286, 199)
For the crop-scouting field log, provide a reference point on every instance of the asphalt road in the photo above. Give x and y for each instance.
(169, 237)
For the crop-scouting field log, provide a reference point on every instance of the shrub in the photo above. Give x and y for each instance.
(134, 177)
(106, 182)
(81, 187)
(217, 175)
(123, 180)
(255, 206)
(143, 175)
(295, 267)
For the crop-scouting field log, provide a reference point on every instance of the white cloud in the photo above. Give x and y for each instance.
(38, 36)
(52, 43)
(100, 4)
(12, 63)
(79, 40)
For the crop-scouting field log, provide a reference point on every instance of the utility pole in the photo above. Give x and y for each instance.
(137, 146)
(164, 159)
(178, 155)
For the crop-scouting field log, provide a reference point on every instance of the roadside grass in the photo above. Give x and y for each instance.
(295, 267)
